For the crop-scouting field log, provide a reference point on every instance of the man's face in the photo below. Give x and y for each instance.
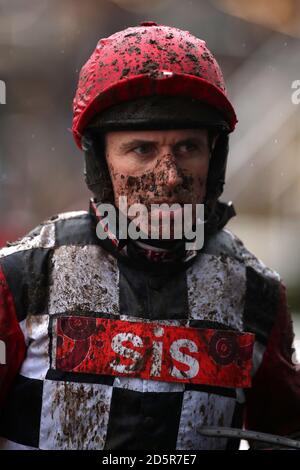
(158, 166)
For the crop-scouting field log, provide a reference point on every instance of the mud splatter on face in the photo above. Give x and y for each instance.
(158, 175)
(166, 182)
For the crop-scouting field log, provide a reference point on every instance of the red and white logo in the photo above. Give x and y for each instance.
(153, 351)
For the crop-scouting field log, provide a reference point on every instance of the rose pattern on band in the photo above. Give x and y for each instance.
(153, 351)
(79, 330)
(224, 348)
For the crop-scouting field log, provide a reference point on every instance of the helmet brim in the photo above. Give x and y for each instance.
(145, 85)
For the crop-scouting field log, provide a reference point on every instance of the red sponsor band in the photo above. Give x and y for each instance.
(154, 351)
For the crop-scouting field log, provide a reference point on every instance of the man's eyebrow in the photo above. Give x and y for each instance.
(135, 142)
(125, 146)
(196, 140)
(191, 139)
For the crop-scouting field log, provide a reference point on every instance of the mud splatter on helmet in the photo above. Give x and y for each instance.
(139, 78)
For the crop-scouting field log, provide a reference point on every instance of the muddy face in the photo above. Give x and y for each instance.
(159, 166)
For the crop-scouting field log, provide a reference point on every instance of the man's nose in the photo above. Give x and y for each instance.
(171, 170)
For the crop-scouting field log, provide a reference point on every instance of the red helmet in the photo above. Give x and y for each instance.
(148, 60)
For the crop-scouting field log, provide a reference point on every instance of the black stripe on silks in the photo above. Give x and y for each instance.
(79, 377)
(140, 421)
(194, 323)
(27, 273)
(261, 304)
(237, 422)
(148, 295)
(13, 267)
(78, 230)
(223, 391)
(21, 414)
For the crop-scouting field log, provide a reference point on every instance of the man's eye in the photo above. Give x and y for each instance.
(143, 149)
(189, 147)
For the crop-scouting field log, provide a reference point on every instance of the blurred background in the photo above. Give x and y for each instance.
(43, 45)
